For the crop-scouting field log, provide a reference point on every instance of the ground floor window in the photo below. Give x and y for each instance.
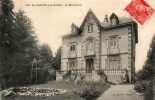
(114, 62)
(89, 65)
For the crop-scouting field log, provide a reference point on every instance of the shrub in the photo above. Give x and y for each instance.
(90, 92)
(140, 86)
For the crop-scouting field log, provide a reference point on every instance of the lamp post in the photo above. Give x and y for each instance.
(34, 68)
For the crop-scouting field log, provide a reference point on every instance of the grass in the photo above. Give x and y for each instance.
(68, 97)
(75, 89)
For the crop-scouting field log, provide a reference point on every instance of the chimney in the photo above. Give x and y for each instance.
(106, 19)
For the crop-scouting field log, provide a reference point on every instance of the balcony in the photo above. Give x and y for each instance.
(72, 54)
(112, 51)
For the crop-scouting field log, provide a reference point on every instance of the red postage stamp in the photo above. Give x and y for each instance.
(140, 10)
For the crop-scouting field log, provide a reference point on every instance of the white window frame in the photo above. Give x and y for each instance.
(113, 42)
(90, 27)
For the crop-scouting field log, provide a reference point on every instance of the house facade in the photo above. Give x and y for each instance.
(100, 50)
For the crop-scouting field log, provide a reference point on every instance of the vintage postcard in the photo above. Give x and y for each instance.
(77, 50)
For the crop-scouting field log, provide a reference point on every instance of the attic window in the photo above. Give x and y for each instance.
(113, 21)
(74, 28)
(90, 28)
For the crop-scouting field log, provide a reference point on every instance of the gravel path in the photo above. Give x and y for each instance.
(120, 92)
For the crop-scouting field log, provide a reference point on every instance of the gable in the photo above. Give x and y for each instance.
(90, 16)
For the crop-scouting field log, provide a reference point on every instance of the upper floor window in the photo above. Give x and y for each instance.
(90, 27)
(72, 51)
(114, 62)
(113, 21)
(72, 48)
(113, 42)
(90, 45)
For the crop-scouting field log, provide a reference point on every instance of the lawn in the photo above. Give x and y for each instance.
(71, 97)
(74, 88)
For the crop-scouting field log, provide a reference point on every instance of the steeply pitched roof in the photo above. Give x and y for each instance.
(122, 21)
(89, 13)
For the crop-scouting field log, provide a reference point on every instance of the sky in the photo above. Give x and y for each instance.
(51, 22)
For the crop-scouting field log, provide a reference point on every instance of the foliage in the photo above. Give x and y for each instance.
(140, 86)
(57, 60)
(7, 43)
(147, 71)
(42, 76)
(45, 57)
(19, 48)
(66, 75)
(145, 76)
(90, 92)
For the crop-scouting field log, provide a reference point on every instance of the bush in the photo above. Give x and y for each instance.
(90, 92)
(140, 86)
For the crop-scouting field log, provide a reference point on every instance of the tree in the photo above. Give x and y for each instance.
(57, 60)
(25, 48)
(46, 57)
(7, 26)
(147, 71)
(145, 76)
(18, 48)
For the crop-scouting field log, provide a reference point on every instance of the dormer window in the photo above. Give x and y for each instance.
(74, 29)
(114, 19)
(90, 27)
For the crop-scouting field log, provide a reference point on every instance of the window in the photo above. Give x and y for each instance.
(113, 42)
(12, 67)
(114, 62)
(90, 45)
(89, 65)
(72, 48)
(113, 21)
(90, 28)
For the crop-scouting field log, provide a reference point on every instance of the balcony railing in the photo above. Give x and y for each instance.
(106, 71)
(115, 71)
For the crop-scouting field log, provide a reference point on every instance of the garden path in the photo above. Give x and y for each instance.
(121, 92)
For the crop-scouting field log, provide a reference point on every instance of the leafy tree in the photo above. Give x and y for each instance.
(147, 71)
(57, 60)
(145, 76)
(7, 26)
(25, 47)
(44, 63)
(45, 57)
